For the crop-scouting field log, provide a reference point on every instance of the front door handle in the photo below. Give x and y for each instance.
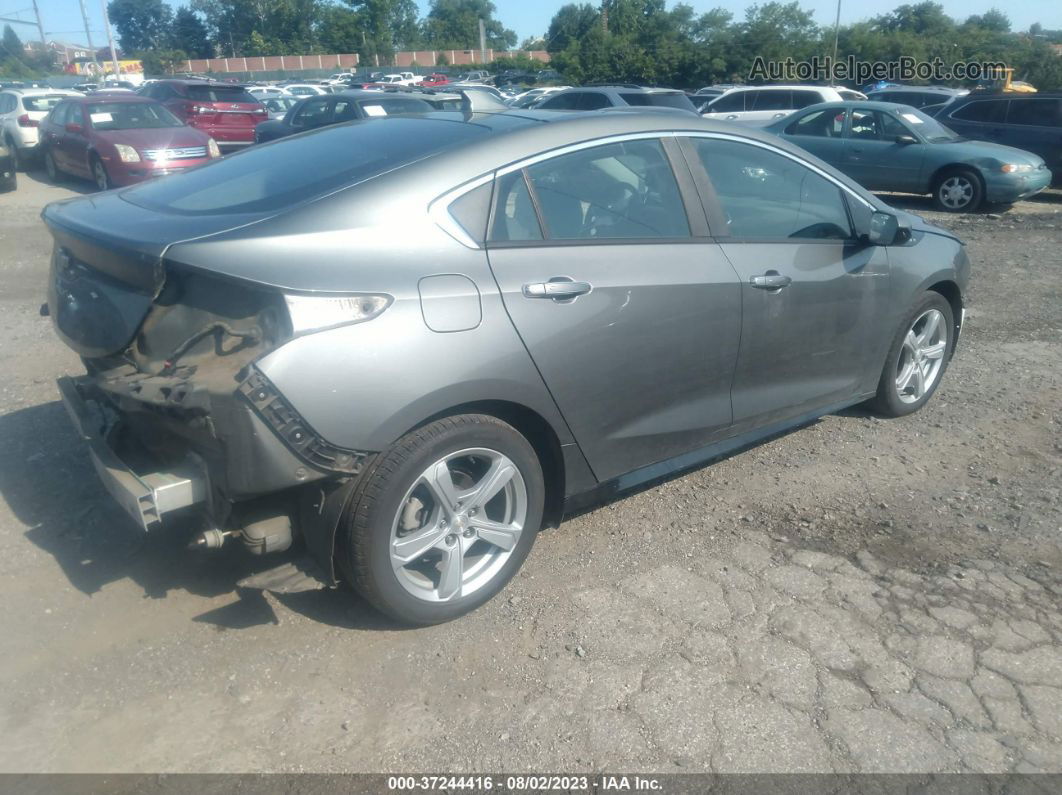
(558, 288)
(771, 280)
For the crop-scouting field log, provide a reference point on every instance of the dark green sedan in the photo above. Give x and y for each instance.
(889, 147)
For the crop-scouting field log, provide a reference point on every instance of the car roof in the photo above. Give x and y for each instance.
(37, 92)
(786, 87)
(929, 89)
(869, 104)
(104, 96)
(1010, 95)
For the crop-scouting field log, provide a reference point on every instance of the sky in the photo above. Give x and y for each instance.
(62, 18)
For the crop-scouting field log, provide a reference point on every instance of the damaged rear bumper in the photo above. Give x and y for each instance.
(145, 496)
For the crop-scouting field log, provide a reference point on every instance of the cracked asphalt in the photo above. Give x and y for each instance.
(858, 596)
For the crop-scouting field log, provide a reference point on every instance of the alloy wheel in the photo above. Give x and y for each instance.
(956, 192)
(921, 356)
(458, 524)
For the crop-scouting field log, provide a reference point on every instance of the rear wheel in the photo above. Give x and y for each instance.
(917, 358)
(444, 519)
(958, 191)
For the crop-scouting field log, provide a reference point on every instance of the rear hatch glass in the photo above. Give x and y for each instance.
(227, 105)
(264, 179)
(39, 106)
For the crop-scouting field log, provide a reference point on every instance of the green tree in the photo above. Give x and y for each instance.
(454, 25)
(570, 25)
(141, 24)
(189, 34)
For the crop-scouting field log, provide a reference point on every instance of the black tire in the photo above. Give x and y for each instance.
(364, 552)
(888, 402)
(100, 176)
(9, 184)
(957, 177)
(55, 176)
(17, 164)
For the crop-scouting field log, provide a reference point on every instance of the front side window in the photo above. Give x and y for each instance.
(772, 99)
(801, 99)
(622, 190)
(591, 100)
(768, 196)
(314, 113)
(865, 125)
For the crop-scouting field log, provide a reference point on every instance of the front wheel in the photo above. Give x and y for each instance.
(99, 174)
(958, 191)
(443, 519)
(918, 357)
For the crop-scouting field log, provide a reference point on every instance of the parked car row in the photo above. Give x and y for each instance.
(884, 143)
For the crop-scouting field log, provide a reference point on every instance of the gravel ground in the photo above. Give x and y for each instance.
(861, 595)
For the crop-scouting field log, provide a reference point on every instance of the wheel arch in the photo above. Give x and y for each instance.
(951, 292)
(539, 433)
(947, 168)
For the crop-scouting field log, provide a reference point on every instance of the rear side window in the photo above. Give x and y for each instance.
(262, 179)
(515, 218)
(772, 99)
(622, 190)
(562, 102)
(801, 99)
(992, 111)
(658, 100)
(46, 102)
(819, 123)
(206, 93)
(765, 195)
(1039, 112)
(591, 100)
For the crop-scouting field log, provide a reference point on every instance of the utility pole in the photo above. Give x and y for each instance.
(110, 40)
(482, 42)
(88, 34)
(836, 33)
(40, 26)
(604, 16)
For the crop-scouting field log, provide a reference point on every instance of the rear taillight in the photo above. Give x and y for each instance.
(25, 121)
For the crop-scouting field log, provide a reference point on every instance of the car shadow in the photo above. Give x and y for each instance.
(35, 173)
(48, 482)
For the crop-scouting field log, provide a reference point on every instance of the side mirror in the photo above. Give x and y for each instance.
(74, 127)
(906, 139)
(883, 229)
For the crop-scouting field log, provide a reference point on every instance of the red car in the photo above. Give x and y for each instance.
(435, 80)
(227, 113)
(119, 139)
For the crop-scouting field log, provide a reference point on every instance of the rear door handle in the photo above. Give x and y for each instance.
(771, 280)
(558, 288)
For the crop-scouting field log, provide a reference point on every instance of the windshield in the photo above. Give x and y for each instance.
(928, 127)
(45, 102)
(204, 93)
(130, 116)
(265, 179)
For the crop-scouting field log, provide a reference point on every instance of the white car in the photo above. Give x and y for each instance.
(400, 79)
(306, 89)
(21, 110)
(765, 103)
(268, 91)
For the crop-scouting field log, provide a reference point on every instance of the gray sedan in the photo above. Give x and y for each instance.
(417, 341)
(884, 146)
